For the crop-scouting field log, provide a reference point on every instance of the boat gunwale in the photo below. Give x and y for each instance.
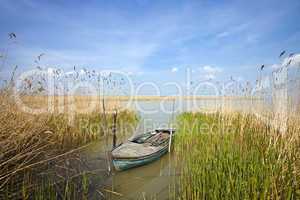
(139, 157)
(170, 131)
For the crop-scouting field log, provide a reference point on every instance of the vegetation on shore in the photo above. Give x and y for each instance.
(235, 156)
(38, 150)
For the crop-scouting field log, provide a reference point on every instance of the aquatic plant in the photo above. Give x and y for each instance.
(235, 156)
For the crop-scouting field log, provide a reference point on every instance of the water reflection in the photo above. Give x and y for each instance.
(148, 181)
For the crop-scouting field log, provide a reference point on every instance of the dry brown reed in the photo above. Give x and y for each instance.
(30, 143)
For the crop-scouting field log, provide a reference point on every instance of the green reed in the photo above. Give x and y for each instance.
(235, 156)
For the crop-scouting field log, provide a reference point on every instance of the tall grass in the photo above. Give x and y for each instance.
(31, 144)
(234, 156)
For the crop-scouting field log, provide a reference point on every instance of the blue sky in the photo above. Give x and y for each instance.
(151, 39)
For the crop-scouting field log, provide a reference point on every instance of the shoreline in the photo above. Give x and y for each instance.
(146, 98)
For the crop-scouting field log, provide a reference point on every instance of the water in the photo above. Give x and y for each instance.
(147, 181)
(150, 181)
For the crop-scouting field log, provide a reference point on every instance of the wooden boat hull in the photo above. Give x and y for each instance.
(142, 149)
(124, 164)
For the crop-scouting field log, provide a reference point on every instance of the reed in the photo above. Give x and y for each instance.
(235, 156)
(31, 144)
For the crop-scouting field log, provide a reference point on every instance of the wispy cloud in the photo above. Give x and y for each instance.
(143, 38)
(209, 72)
(234, 30)
(174, 69)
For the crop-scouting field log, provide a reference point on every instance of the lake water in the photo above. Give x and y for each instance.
(150, 181)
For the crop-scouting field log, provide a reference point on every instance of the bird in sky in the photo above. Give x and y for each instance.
(12, 35)
(281, 54)
(262, 67)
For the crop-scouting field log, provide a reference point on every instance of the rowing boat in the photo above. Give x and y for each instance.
(141, 150)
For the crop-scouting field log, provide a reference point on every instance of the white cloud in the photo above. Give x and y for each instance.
(105, 73)
(275, 66)
(240, 79)
(51, 71)
(174, 69)
(132, 70)
(293, 60)
(82, 71)
(223, 34)
(70, 73)
(233, 30)
(210, 72)
(134, 73)
(290, 61)
(209, 76)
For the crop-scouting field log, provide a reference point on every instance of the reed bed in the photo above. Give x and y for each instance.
(31, 144)
(77, 104)
(235, 156)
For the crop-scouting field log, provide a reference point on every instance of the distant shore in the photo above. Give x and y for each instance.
(143, 98)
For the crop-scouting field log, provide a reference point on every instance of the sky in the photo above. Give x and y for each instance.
(151, 40)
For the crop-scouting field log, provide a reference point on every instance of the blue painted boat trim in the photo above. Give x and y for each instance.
(123, 164)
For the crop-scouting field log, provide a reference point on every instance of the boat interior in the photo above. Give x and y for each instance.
(155, 138)
(143, 145)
